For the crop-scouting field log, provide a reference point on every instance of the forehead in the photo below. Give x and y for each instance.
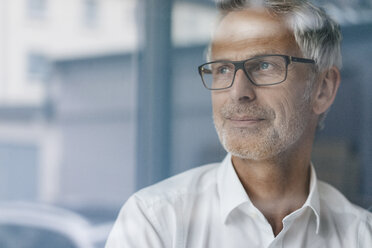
(249, 32)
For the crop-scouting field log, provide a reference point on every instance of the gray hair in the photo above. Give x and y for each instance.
(317, 35)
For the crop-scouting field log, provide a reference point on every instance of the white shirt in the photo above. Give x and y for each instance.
(207, 207)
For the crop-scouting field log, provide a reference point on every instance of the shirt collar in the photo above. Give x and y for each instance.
(312, 200)
(232, 193)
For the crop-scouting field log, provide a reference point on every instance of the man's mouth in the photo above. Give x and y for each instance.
(244, 118)
(244, 121)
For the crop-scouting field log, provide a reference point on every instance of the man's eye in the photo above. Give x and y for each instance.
(260, 66)
(223, 70)
(264, 66)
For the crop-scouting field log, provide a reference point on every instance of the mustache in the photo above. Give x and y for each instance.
(232, 110)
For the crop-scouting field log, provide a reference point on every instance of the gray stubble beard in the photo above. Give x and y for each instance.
(273, 141)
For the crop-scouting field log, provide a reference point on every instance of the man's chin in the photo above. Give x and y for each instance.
(247, 154)
(243, 137)
(251, 146)
(251, 149)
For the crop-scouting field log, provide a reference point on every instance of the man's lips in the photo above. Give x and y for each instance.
(244, 118)
(243, 121)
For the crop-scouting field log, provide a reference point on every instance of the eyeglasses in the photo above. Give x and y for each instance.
(262, 70)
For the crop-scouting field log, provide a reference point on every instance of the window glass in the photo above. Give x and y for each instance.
(70, 111)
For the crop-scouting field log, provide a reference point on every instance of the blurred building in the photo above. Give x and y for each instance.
(68, 96)
(34, 34)
(95, 106)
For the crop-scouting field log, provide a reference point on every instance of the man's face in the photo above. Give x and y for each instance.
(260, 122)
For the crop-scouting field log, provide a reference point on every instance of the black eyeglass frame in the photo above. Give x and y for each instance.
(240, 65)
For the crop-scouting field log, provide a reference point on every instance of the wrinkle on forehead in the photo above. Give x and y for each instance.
(250, 28)
(230, 47)
(250, 23)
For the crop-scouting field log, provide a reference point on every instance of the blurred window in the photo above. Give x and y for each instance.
(37, 66)
(90, 13)
(18, 171)
(36, 8)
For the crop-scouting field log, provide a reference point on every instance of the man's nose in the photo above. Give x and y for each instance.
(242, 89)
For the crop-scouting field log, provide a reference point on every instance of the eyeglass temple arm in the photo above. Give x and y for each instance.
(301, 60)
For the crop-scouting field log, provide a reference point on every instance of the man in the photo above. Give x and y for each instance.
(273, 72)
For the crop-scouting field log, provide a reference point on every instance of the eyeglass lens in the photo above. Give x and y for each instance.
(265, 70)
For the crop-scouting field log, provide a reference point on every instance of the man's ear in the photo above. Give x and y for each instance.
(326, 90)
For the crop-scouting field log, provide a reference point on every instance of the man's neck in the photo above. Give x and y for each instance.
(277, 187)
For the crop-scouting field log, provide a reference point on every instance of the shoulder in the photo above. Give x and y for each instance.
(349, 218)
(333, 199)
(154, 216)
(185, 185)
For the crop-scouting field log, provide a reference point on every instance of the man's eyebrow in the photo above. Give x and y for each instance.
(269, 51)
(250, 55)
